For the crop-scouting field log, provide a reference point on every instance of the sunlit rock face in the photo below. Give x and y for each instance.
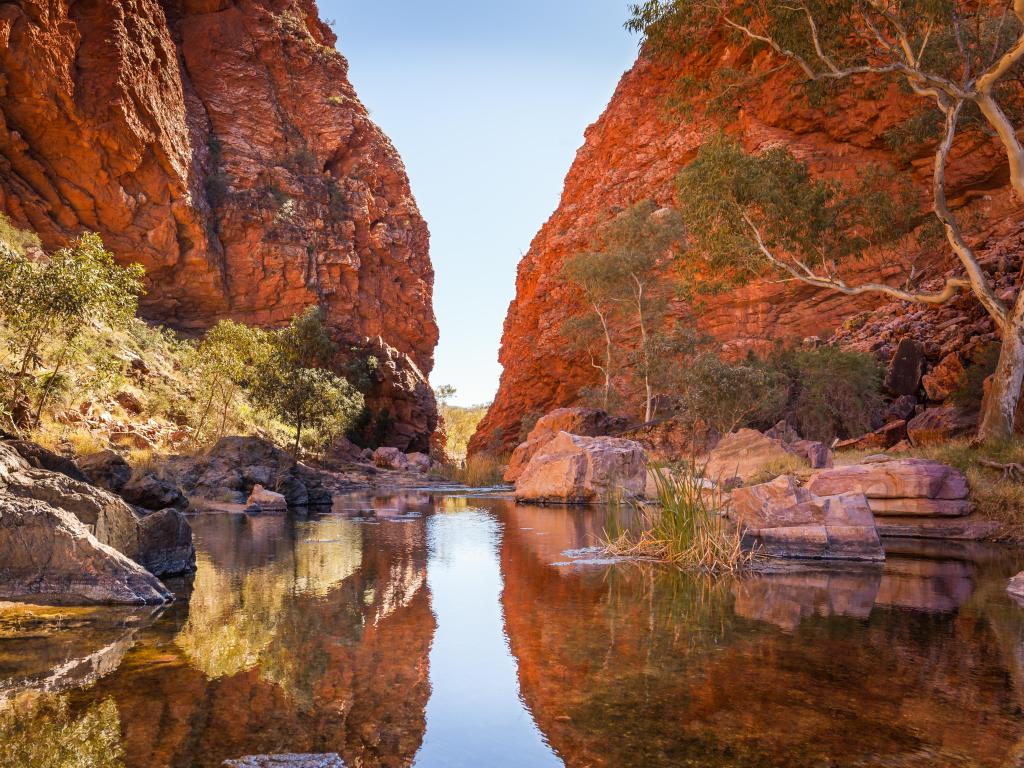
(634, 152)
(313, 636)
(642, 665)
(220, 144)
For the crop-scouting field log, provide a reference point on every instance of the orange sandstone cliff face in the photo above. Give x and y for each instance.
(220, 144)
(634, 152)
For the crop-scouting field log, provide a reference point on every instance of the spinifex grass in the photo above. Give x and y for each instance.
(685, 527)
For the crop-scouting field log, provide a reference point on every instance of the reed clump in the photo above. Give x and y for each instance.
(479, 470)
(686, 526)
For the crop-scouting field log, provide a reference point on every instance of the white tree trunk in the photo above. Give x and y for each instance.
(1005, 391)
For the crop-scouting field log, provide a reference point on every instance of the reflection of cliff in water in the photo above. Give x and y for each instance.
(645, 666)
(300, 636)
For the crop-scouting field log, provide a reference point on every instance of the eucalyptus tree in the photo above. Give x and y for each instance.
(960, 58)
(624, 281)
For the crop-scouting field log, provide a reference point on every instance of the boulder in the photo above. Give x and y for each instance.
(151, 492)
(42, 458)
(1016, 586)
(901, 409)
(945, 378)
(267, 501)
(129, 401)
(105, 516)
(106, 469)
(573, 469)
(900, 487)
(747, 454)
(343, 451)
(885, 437)
(390, 458)
(235, 465)
(936, 426)
(48, 556)
(674, 439)
(587, 422)
(419, 462)
(782, 519)
(903, 376)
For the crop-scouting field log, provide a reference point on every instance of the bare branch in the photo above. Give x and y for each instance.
(948, 292)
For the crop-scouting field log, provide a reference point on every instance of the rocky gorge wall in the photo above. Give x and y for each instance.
(220, 144)
(635, 150)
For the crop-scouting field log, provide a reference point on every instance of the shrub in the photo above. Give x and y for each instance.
(833, 393)
(728, 396)
(971, 391)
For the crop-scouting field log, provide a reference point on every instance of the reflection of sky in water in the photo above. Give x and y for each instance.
(475, 715)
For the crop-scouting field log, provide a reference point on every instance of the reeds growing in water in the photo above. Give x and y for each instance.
(686, 526)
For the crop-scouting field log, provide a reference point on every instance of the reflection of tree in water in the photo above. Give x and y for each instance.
(309, 636)
(40, 731)
(643, 666)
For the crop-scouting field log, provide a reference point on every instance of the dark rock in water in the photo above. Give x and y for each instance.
(106, 469)
(41, 458)
(151, 492)
(166, 547)
(49, 556)
(287, 761)
(236, 465)
(906, 368)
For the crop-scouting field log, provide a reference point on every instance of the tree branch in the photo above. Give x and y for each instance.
(948, 292)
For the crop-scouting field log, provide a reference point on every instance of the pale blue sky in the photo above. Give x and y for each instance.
(487, 103)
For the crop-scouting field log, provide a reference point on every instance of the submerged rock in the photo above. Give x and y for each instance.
(573, 469)
(331, 760)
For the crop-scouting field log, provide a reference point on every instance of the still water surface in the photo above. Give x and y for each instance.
(445, 632)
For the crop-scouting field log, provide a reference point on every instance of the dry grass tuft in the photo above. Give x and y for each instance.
(480, 470)
(686, 527)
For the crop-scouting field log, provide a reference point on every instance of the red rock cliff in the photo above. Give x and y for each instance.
(634, 152)
(220, 144)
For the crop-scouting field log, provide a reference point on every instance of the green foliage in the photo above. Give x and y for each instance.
(971, 391)
(743, 211)
(52, 302)
(728, 396)
(45, 733)
(293, 383)
(18, 240)
(832, 392)
(624, 281)
(226, 363)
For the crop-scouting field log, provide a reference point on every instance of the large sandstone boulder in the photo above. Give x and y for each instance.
(945, 378)
(936, 426)
(747, 454)
(587, 422)
(162, 544)
(782, 519)
(882, 438)
(901, 487)
(41, 458)
(235, 465)
(152, 492)
(48, 556)
(574, 469)
(390, 458)
(267, 501)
